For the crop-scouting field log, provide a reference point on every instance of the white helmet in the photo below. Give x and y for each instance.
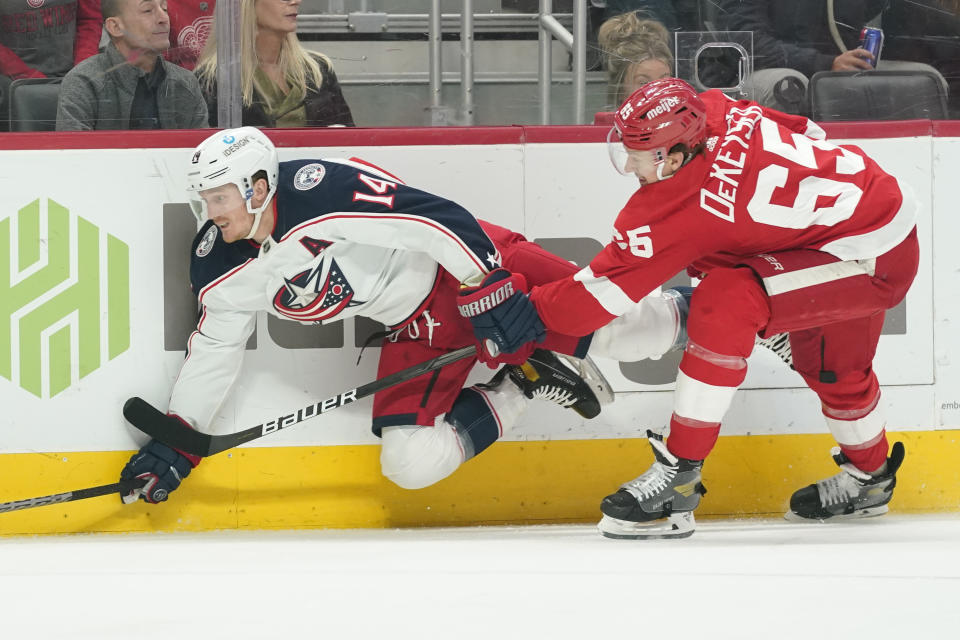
(232, 156)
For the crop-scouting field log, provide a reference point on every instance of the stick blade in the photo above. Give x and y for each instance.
(170, 431)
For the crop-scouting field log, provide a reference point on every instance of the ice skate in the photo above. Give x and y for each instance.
(852, 493)
(569, 382)
(658, 504)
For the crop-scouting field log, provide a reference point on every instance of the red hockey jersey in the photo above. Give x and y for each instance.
(767, 182)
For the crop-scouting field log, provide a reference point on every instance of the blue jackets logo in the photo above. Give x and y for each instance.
(309, 176)
(206, 243)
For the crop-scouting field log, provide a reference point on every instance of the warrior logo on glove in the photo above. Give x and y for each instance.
(488, 301)
(501, 314)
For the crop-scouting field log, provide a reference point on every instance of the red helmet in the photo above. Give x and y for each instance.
(661, 114)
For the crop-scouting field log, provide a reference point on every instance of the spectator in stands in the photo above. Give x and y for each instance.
(675, 15)
(190, 23)
(282, 84)
(44, 40)
(635, 51)
(794, 40)
(130, 86)
(927, 30)
(663, 11)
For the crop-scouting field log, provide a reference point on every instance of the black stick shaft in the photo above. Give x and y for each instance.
(57, 498)
(178, 435)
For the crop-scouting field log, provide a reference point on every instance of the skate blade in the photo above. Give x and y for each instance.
(677, 525)
(587, 369)
(868, 512)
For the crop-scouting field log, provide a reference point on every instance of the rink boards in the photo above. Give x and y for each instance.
(96, 308)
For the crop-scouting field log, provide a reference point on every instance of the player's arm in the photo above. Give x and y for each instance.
(377, 208)
(640, 258)
(383, 211)
(213, 362)
(214, 358)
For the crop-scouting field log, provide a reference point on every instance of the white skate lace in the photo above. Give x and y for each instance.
(780, 345)
(838, 489)
(588, 371)
(653, 481)
(555, 394)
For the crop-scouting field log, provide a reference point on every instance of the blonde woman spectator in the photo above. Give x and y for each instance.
(635, 51)
(282, 84)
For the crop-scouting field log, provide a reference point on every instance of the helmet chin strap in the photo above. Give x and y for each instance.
(256, 224)
(257, 214)
(686, 158)
(660, 175)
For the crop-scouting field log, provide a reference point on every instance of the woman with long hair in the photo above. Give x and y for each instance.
(635, 52)
(282, 84)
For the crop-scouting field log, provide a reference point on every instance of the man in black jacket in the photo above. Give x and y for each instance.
(792, 41)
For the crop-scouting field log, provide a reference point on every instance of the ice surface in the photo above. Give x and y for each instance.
(897, 576)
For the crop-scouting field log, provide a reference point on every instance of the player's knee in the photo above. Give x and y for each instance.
(414, 457)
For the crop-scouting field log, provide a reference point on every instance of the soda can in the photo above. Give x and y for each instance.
(871, 39)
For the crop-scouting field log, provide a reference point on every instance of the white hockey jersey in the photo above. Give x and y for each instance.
(349, 239)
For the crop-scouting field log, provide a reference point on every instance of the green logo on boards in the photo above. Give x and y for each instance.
(64, 298)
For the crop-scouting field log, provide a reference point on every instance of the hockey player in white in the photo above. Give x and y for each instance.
(323, 240)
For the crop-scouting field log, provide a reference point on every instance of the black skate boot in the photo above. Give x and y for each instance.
(658, 504)
(852, 493)
(567, 381)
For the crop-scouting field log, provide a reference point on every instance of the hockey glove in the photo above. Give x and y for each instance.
(503, 318)
(160, 468)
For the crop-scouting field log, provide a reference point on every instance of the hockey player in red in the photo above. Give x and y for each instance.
(790, 233)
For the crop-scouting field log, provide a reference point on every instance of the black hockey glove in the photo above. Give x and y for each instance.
(501, 314)
(160, 468)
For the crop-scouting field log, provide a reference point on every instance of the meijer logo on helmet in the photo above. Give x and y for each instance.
(665, 105)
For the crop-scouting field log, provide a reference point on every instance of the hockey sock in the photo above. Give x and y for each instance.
(692, 439)
(860, 431)
(706, 384)
(870, 459)
(480, 417)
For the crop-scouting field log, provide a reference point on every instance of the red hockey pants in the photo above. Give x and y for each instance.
(833, 311)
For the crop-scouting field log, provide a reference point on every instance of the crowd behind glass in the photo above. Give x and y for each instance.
(150, 64)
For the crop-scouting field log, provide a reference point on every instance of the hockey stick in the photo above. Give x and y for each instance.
(69, 496)
(178, 435)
